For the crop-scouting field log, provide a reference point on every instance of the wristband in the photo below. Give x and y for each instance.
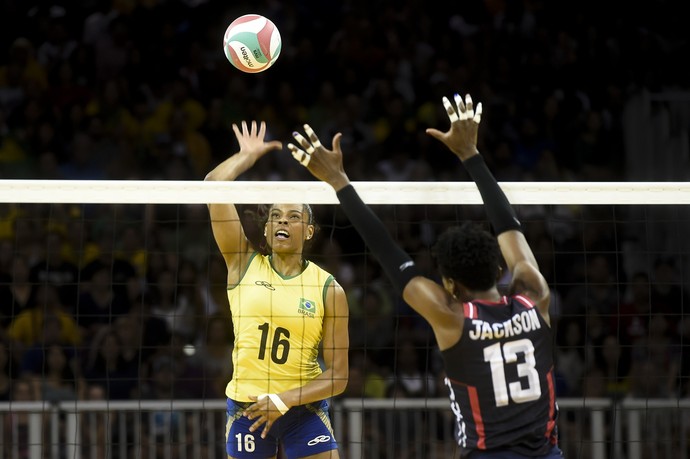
(282, 407)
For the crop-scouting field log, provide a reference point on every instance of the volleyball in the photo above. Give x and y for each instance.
(252, 43)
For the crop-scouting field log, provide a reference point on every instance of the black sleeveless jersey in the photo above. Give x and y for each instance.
(501, 381)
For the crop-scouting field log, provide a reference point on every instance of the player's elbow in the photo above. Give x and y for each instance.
(339, 388)
(340, 382)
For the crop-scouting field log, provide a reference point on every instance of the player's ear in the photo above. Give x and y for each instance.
(449, 286)
(310, 231)
(499, 273)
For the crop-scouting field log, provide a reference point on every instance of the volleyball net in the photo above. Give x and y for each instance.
(115, 331)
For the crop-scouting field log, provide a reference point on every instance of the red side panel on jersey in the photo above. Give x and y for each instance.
(552, 405)
(477, 415)
(470, 311)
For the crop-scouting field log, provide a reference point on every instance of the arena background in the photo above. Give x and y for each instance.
(141, 90)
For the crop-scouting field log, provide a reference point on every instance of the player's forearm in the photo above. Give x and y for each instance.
(397, 264)
(231, 168)
(496, 204)
(328, 384)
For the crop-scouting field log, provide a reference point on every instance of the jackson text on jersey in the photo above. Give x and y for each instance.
(522, 322)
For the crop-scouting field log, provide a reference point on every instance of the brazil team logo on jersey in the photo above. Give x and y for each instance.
(306, 307)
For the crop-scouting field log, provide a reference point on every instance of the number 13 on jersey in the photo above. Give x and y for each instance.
(498, 356)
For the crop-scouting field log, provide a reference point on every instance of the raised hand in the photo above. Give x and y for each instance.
(461, 138)
(324, 164)
(251, 139)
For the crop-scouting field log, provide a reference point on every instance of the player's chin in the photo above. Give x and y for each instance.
(287, 245)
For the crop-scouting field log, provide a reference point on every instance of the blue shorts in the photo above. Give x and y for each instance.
(303, 431)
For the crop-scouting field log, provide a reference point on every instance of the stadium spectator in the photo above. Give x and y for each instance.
(147, 331)
(373, 324)
(27, 328)
(596, 291)
(680, 363)
(22, 59)
(128, 331)
(106, 366)
(32, 360)
(632, 320)
(60, 378)
(668, 294)
(570, 357)
(214, 287)
(614, 365)
(168, 302)
(8, 371)
(365, 378)
(213, 354)
(102, 255)
(98, 304)
(56, 270)
(411, 377)
(16, 292)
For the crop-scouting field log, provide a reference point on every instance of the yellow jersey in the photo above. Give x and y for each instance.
(278, 324)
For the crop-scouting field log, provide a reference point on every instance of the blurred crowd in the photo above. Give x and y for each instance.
(129, 301)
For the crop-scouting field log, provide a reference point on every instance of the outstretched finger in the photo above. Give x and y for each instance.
(462, 108)
(300, 155)
(478, 113)
(303, 142)
(312, 136)
(469, 107)
(458, 102)
(452, 114)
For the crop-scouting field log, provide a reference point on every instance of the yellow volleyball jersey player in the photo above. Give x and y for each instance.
(278, 324)
(286, 311)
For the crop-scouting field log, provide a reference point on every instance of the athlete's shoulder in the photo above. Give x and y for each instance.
(523, 300)
(311, 265)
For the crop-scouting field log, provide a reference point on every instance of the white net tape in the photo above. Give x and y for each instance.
(251, 192)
